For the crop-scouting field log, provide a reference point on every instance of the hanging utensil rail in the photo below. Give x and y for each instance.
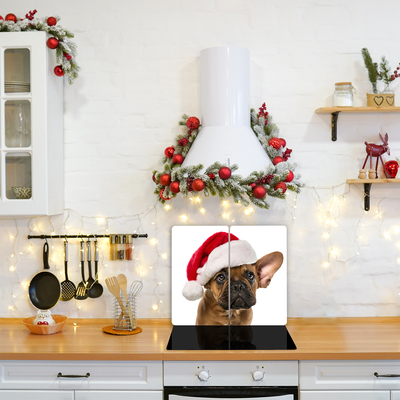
(134, 236)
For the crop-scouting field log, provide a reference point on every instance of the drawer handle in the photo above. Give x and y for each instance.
(60, 375)
(386, 376)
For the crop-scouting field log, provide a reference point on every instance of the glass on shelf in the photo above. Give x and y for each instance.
(17, 67)
(18, 176)
(18, 123)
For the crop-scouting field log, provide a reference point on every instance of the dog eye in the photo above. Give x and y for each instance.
(220, 278)
(250, 276)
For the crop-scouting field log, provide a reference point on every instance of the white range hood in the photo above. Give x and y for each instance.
(225, 106)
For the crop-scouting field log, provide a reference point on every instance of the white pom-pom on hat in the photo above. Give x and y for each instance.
(193, 290)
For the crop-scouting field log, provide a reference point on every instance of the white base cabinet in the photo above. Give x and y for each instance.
(345, 380)
(35, 395)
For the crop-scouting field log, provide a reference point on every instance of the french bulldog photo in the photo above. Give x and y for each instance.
(251, 256)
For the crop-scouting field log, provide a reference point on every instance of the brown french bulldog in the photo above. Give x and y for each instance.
(245, 280)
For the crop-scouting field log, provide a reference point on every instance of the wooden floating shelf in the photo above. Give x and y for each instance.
(335, 111)
(367, 187)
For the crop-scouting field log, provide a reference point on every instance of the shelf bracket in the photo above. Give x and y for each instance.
(367, 190)
(335, 117)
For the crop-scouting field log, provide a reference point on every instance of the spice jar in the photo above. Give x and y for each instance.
(113, 247)
(343, 95)
(128, 247)
(120, 247)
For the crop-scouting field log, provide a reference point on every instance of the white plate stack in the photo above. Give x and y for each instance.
(17, 87)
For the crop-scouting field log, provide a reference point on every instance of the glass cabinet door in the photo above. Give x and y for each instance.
(17, 123)
(17, 67)
(18, 176)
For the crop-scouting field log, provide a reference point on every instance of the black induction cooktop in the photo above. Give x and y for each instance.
(230, 337)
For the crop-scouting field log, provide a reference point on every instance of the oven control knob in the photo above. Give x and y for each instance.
(257, 375)
(204, 375)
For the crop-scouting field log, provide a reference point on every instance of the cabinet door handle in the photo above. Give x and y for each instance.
(386, 376)
(60, 375)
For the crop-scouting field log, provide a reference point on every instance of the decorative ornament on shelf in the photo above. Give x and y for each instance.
(391, 168)
(60, 40)
(219, 178)
(375, 150)
(381, 72)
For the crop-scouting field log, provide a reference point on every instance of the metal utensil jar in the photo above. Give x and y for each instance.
(343, 95)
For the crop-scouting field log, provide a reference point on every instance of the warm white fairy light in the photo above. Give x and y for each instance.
(325, 264)
(167, 207)
(326, 235)
(202, 210)
(12, 268)
(164, 256)
(155, 307)
(184, 217)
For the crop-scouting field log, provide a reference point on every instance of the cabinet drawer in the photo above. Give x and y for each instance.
(345, 395)
(35, 395)
(118, 395)
(122, 375)
(349, 375)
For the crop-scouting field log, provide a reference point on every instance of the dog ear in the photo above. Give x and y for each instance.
(267, 266)
(208, 285)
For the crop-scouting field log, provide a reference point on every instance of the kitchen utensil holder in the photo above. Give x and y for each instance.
(124, 319)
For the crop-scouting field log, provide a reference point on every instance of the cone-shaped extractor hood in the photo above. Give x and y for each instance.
(225, 105)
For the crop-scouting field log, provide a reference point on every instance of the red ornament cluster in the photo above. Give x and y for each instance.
(31, 15)
(183, 142)
(391, 168)
(169, 151)
(275, 143)
(192, 123)
(262, 112)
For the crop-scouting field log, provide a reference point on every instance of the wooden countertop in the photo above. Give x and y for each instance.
(315, 338)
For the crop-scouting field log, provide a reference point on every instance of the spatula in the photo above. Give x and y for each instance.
(123, 284)
(115, 290)
(68, 287)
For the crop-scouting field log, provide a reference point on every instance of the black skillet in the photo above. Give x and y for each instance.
(44, 289)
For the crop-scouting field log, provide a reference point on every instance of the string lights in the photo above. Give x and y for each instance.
(148, 260)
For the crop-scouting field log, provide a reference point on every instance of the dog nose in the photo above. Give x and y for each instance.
(238, 286)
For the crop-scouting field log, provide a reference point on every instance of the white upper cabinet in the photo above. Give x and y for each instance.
(31, 127)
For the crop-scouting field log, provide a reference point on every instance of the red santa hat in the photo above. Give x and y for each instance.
(212, 256)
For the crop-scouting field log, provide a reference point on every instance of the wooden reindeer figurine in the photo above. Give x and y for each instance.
(376, 150)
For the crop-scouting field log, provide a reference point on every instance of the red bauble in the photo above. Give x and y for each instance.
(154, 179)
(52, 43)
(174, 187)
(165, 179)
(259, 192)
(161, 195)
(11, 17)
(1, 18)
(253, 185)
(277, 160)
(281, 185)
(58, 70)
(225, 173)
(275, 143)
(198, 185)
(67, 56)
(283, 142)
(193, 123)
(289, 177)
(169, 151)
(177, 159)
(51, 21)
(391, 168)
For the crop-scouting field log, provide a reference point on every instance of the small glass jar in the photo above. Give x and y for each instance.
(120, 247)
(128, 247)
(113, 247)
(343, 95)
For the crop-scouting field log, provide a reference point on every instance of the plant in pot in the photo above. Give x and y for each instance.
(377, 73)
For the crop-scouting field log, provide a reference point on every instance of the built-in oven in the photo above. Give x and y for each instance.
(211, 380)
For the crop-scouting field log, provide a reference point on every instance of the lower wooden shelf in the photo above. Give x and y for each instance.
(367, 187)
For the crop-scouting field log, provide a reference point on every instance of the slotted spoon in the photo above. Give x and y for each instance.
(68, 288)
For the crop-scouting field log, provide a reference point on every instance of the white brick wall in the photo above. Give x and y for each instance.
(139, 74)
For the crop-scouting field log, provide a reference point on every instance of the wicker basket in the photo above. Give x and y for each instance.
(59, 320)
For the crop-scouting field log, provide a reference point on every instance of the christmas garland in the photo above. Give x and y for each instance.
(218, 178)
(65, 48)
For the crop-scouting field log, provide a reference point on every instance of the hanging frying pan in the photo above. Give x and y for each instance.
(45, 288)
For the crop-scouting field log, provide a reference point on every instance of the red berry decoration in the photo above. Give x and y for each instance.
(193, 123)
(259, 192)
(225, 173)
(67, 56)
(283, 142)
(52, 43)
(165, 179)
(174, 187)
(198, 185)
(275, 143)
(183, 142)
(289, 177)
(211, 175)
(11, 17)
(161, 195)
(58, 70)
(281, 185)
(277, 160)
(51, 21)
(169, 151)
(177, 159)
